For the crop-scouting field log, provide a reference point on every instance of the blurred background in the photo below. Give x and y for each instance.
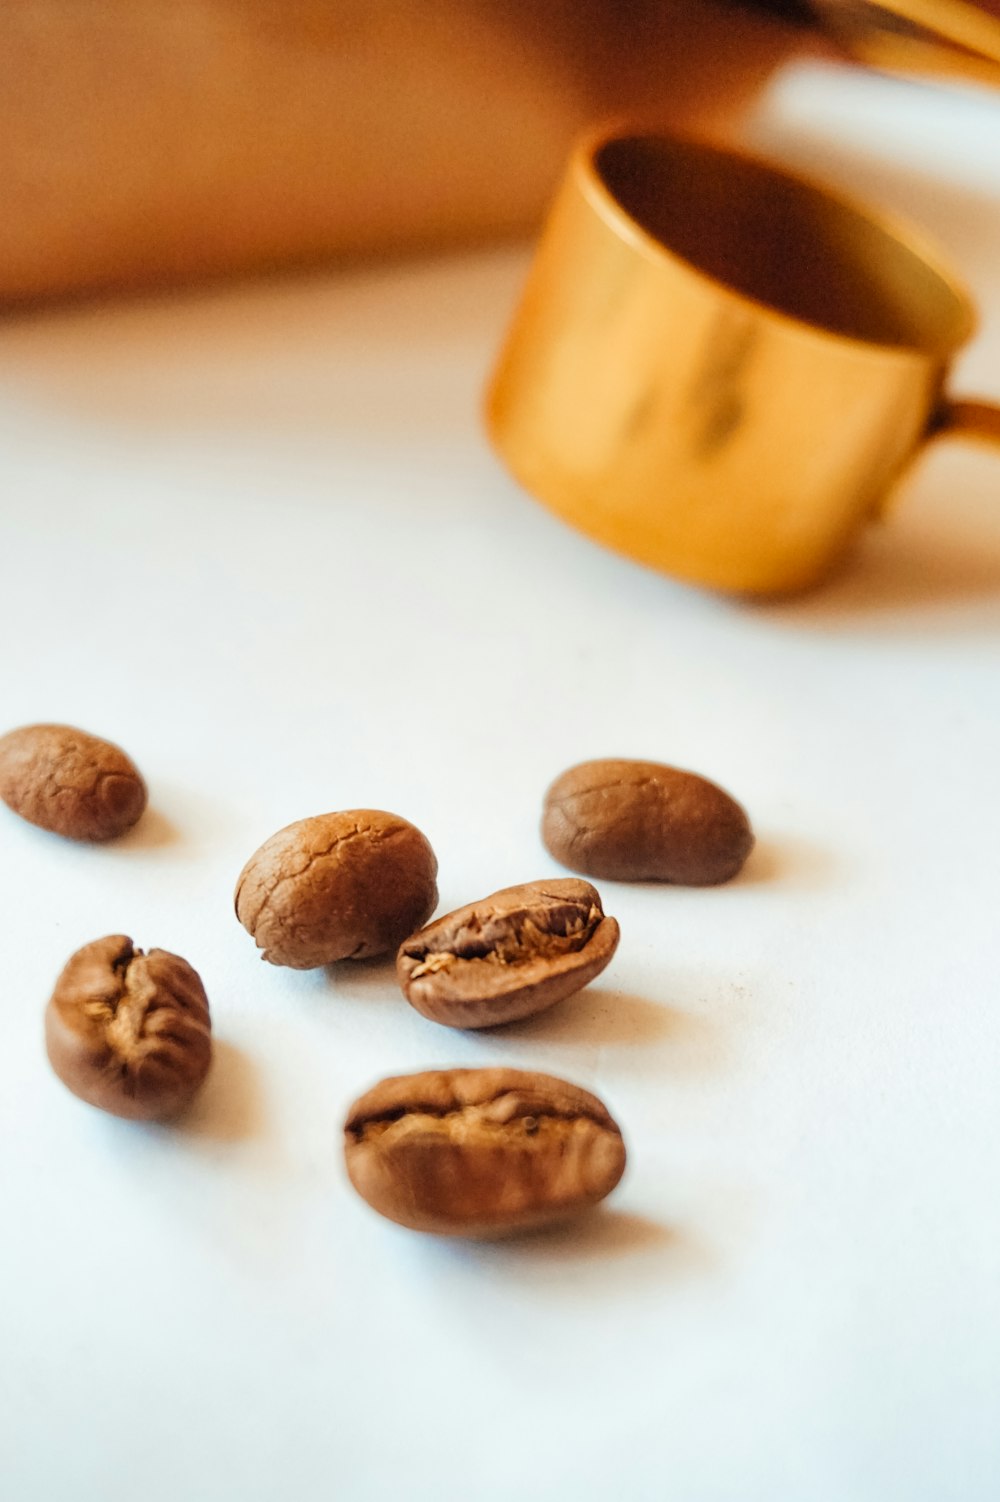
(147, 143)
(253, 532)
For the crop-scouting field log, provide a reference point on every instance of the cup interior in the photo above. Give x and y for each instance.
(782, 242)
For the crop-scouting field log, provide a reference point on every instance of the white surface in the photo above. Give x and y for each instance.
(256, 535)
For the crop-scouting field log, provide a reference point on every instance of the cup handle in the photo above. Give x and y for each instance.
(979, 421)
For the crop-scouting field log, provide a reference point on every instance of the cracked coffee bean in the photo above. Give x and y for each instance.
(509, 955)
(641, 821)
(69, 782)
(344, 886)
(481, 1152)
(129, 1032)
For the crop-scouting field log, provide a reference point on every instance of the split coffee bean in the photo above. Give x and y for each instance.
(509, 955)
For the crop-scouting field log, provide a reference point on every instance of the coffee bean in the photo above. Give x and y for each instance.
(481, 1152)
(340, 886)
(509, 955)
(129, 1032)
(69, 782)
(641, 821)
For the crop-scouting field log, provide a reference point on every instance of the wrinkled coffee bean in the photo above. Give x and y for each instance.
(640, 821)
(509, 955)
(69, 782)
(481, 1152)
(129, 1032)
(344, 886)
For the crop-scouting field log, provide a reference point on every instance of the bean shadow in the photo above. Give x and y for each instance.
(787, 861)
(350, 993)
(229, 1107)
(588, 1022)
(595, 1016)
(366, 980)
(592, 1240)
(601, 1018)
(154, 831)
(602, 1233)
(196, 821)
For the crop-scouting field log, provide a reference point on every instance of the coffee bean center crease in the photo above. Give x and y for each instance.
(507, 939)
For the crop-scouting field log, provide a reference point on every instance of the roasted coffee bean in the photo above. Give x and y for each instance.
(481, 1152)
(69, 782)
(640, 821)
(129, 1032)
(509, 955)
(342, 886)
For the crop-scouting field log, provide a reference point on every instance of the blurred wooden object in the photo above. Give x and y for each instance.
(952, 39)
(153, 141)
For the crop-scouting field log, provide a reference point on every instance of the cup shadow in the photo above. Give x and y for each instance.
(900, 569)
(939, 547)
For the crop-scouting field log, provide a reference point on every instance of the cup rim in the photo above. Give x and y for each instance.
(886, 222)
